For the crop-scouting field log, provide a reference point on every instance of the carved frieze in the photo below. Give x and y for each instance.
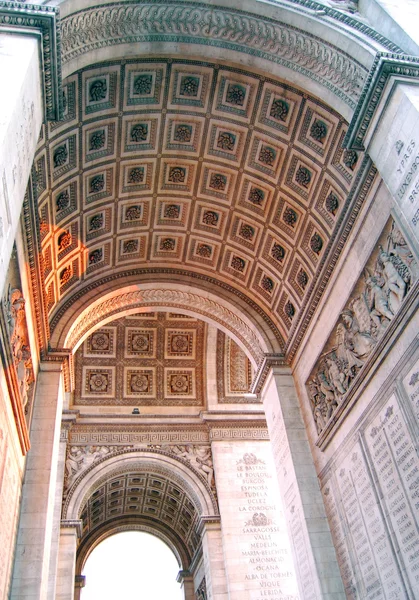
(17, 329)
(79, 458)
(386, 280)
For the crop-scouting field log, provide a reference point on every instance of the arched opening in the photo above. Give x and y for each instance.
(131, 564)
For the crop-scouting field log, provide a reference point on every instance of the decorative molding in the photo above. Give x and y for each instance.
(359, 191)
(174, 273)
(73, 524)
(42, 21)
(339, 16)
(269, 361)
(233, 367)
(142, 461)
(80, 459)
(231, 29)
(385, 66)
(137, 435)
(33, 254)
(166, 297)
(238, 431)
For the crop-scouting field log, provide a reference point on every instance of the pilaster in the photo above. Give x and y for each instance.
(70, 531)
(212, 551)
(185, 578)
(39, 492)
(256, 546)
(312, 546)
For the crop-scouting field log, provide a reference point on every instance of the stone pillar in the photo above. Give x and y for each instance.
(68, 419)
(212, 550)
(257, 553)
(313, 550)
(21, 114)
(66, 569)
(39, 495)
(185, 578)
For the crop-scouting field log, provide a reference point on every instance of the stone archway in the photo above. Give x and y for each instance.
(225, 315)
(166, 492)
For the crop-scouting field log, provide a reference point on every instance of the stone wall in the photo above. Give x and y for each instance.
(11, 472)
(365, 451)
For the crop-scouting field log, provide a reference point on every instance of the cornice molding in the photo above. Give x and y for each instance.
(385, 66)
(236, 30)
(341, 18)
(41, 21)
(264, 368)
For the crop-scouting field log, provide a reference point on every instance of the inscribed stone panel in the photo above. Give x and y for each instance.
(255, 540)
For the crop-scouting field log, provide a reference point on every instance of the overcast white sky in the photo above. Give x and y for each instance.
(130, 566)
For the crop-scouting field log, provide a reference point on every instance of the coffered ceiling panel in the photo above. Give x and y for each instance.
(148, 359)
(194, 166)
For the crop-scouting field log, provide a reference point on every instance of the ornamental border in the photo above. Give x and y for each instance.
(42, 21)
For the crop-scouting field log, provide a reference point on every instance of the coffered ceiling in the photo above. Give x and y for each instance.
(145, 359)
(191, 169)
(151, 499)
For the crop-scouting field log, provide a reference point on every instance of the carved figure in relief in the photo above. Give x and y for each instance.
(319, 406)
(80, 458)
(362, 324)
(328, 393)
(380, 312)
(397, 277)
(357, 340)
(337, 377)
(402, 250)
(73, 463)
(17, 321)
(14, 306)
(199, 458)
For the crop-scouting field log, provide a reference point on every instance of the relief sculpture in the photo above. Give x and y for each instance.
(80, 458)
(199, 457)
(378, 295)
(14, 309)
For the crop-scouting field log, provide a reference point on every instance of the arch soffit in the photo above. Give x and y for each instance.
(251, 332)
(142, 524)
(154, 462)
(315, 50)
